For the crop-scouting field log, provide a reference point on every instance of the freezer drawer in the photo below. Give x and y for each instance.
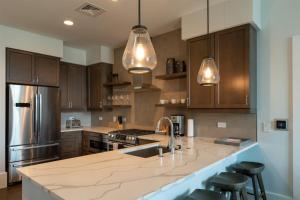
(20, 153)
(13, 176)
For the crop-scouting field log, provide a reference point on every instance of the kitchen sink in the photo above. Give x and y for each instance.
(149, 152)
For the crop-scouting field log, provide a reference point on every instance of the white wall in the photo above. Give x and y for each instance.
(279, 23)
(223, 15)
(296, 117)
(74, 55)
(97, 54)
(14, 38)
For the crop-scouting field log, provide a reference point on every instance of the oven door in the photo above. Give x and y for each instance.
(96, 145)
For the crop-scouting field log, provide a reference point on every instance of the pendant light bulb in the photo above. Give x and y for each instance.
(139, 56)
(208, 74)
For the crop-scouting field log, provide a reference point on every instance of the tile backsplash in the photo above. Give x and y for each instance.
(85, 117)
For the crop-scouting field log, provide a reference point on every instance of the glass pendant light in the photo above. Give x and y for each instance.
(208, 74)
(139, 56)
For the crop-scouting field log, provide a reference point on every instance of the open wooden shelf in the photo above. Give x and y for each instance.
(172, 76)
(118, 84)
(170, 105)
(117, 106)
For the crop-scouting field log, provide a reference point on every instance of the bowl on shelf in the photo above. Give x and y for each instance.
(163, 101)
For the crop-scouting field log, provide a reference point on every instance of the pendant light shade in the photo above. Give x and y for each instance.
(139, 56)
(208, 74)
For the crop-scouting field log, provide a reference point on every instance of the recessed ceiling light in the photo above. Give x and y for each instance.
(115, 0)
(68, 22)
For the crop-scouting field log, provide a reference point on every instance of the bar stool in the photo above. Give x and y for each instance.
(200, 194)
(253, 170)
(231, 182)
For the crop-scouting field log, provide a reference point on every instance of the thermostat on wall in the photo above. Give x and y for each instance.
(281, 124)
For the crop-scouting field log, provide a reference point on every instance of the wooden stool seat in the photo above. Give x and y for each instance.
(200, 194)
(231, 182)
(249, 168)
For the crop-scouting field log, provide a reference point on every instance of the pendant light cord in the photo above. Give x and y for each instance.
(139, 12)
(208, 35)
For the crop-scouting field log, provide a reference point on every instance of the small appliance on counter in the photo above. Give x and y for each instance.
(178, 123)
(73, 123)
(233, 141)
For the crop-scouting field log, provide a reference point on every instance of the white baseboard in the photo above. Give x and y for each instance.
(276, 196)
(3, 180)
(272, 196)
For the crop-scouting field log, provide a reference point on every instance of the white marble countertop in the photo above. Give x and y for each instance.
(115, 175)
(98, 129)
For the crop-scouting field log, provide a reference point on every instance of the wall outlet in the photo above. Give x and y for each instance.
(100, 118)
(222, 125)
(267, 126)
(124, 119)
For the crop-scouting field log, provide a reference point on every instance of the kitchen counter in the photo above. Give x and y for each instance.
(99, 129)
(115, 175)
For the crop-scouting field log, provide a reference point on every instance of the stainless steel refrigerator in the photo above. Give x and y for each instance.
(33, 127)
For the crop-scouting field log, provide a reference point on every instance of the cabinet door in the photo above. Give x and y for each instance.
(199, 96)
(47, 70)
(94, 87)
(77, 86)
(232, 57)
(63, 85)
(19, 67)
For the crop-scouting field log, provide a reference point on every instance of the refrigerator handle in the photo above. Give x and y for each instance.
(36, 113)
(40, 112)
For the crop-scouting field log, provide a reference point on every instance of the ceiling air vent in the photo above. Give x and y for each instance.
(90, 10)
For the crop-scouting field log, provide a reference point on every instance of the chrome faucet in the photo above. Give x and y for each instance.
(171, 140)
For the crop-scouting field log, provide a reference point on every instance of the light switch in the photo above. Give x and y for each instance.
(222, 125)
(100, 118)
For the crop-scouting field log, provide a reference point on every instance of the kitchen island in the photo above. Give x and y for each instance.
(116, 175)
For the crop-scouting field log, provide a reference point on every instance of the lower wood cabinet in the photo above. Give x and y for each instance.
(71, 144)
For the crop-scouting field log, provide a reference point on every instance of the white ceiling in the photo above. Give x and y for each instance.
(111, 29)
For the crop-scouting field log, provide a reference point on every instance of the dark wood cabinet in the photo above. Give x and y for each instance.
(199, 96)
(234, 50)
(19, 66)
(71, 144)
(24, 67)
(46, 70)
(73, 86)
(97, 75)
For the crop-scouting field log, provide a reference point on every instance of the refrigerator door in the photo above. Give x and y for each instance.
(48, 115)
(21, 109)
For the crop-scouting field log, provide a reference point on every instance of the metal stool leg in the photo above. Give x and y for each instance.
(262, 187)
(255, 189)
(244, 194)
(234, 195)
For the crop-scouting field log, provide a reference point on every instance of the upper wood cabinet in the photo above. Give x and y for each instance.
(97, 75)
(19, 66)
(235, 54)
(30, 68)
(46, 70)
(199, 96)
(73, 86)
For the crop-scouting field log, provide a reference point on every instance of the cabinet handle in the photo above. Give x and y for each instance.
(37, 79)
(246, 99)
(71, 104)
